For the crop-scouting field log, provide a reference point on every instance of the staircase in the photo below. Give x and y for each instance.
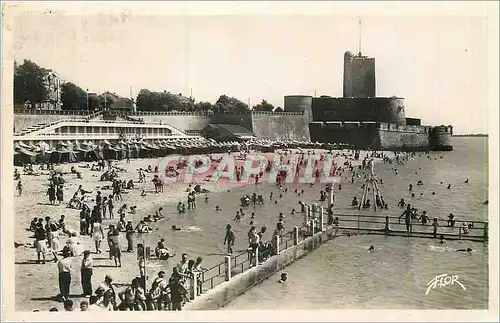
(41, 126)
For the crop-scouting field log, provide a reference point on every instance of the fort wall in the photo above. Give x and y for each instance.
(280, 126)
(359, 109)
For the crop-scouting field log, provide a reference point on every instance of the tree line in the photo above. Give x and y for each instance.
(30, 86)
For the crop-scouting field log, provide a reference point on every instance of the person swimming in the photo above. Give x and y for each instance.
(464, 250)
(283, 278)
(441, 239)
(372, 248)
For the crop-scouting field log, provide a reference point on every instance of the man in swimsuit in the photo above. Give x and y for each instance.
(407, 214)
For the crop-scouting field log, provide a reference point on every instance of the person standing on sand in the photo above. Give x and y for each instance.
(97, 234)
(40, 241)
(229, 238)
(86, 273)
(104, 206)
(19, 188)
(64, 267)
(111, 207)
(129, 235)
(115, 248)
(60, 195)
(51, 192)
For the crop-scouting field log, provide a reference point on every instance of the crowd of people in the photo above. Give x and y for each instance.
(162, 293)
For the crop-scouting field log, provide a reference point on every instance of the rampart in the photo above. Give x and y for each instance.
(389, 110)
(383, 136)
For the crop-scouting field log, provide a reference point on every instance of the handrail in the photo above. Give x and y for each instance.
(382, 217)
(52, 112)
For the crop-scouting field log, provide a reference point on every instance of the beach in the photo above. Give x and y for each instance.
(203, 228)
(202, 231)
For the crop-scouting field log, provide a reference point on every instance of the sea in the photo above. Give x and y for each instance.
(343, 274)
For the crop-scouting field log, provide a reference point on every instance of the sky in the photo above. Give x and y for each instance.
(437, 62)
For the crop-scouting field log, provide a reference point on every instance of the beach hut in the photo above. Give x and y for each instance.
(63, 155)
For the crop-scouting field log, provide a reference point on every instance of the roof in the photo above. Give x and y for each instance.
(231, 130)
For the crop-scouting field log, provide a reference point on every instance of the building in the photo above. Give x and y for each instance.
(365, 121)
(359, 76)
(52, 82)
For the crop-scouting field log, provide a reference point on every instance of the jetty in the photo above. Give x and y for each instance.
(238, 273)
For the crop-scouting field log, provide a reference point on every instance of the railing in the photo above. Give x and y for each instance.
(434, 228)
(213, 276)
(206, 113)
(52, 112)
(152, 113)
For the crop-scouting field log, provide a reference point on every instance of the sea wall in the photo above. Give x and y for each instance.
(224, 293)
(358, 134)
(280, 126)
(396, 137)
(371, 135)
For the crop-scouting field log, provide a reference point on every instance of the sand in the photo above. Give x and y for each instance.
(37, 284)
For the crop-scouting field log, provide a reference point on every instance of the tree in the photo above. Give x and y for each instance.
(279, 109)
(264, 106)
(73, 97)
(226, 104)
(94, 102)
(144, 101)
(29, 83)
(203, 107)
(162, 101)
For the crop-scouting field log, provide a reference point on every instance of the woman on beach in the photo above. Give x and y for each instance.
(115, 248)
(97, 234)
(51, 192)
(75, 245)
(55, 244)
(60, 194)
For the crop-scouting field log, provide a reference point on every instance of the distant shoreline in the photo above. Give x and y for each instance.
(472, 135)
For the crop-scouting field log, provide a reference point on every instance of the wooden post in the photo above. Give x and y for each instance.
(331, 197)
(435, 225)
(295, 236)
(227, 260)
(386, 229)
(374, 194)
(306, 215)
(322, 219)
(193, 288)
(277, 242)
(313, 224)
(485, 231)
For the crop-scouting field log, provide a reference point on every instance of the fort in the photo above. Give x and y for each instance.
(358, 119)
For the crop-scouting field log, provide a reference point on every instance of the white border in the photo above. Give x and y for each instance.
(487, 9)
